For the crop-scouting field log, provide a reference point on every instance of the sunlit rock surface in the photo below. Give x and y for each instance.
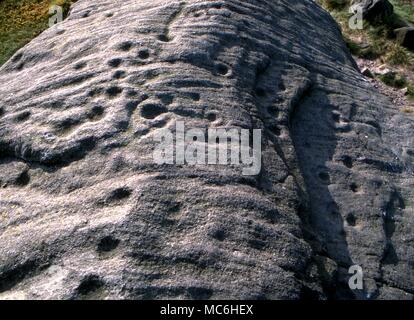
(86, 213)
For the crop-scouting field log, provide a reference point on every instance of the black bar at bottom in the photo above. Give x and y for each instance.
(205, 309)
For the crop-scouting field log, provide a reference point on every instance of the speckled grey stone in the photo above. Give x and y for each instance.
(85, 212)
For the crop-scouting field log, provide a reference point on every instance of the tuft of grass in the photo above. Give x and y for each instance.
(407, 110)
(410, 92)
(375, 50)
(334, 4)
(379, 37)
(23, 20)
(398, 56)
(394, 80)
(353, 47)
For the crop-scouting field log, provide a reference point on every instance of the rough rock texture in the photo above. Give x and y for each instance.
(85, 212)
(405, 37)
(375, 10)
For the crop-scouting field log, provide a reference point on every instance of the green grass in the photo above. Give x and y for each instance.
(404, 10)
(377, 42)
(394, 80)
(411, 92)
(380, 37)
(23, 20)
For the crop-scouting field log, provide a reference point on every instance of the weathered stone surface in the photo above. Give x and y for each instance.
(405, 37)
(375, 10)
(94, 217)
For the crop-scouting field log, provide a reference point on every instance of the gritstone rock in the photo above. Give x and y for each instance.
(86, 213)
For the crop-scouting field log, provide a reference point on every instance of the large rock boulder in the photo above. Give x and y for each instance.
(405, 37)
(374, 10)
(86, 213)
